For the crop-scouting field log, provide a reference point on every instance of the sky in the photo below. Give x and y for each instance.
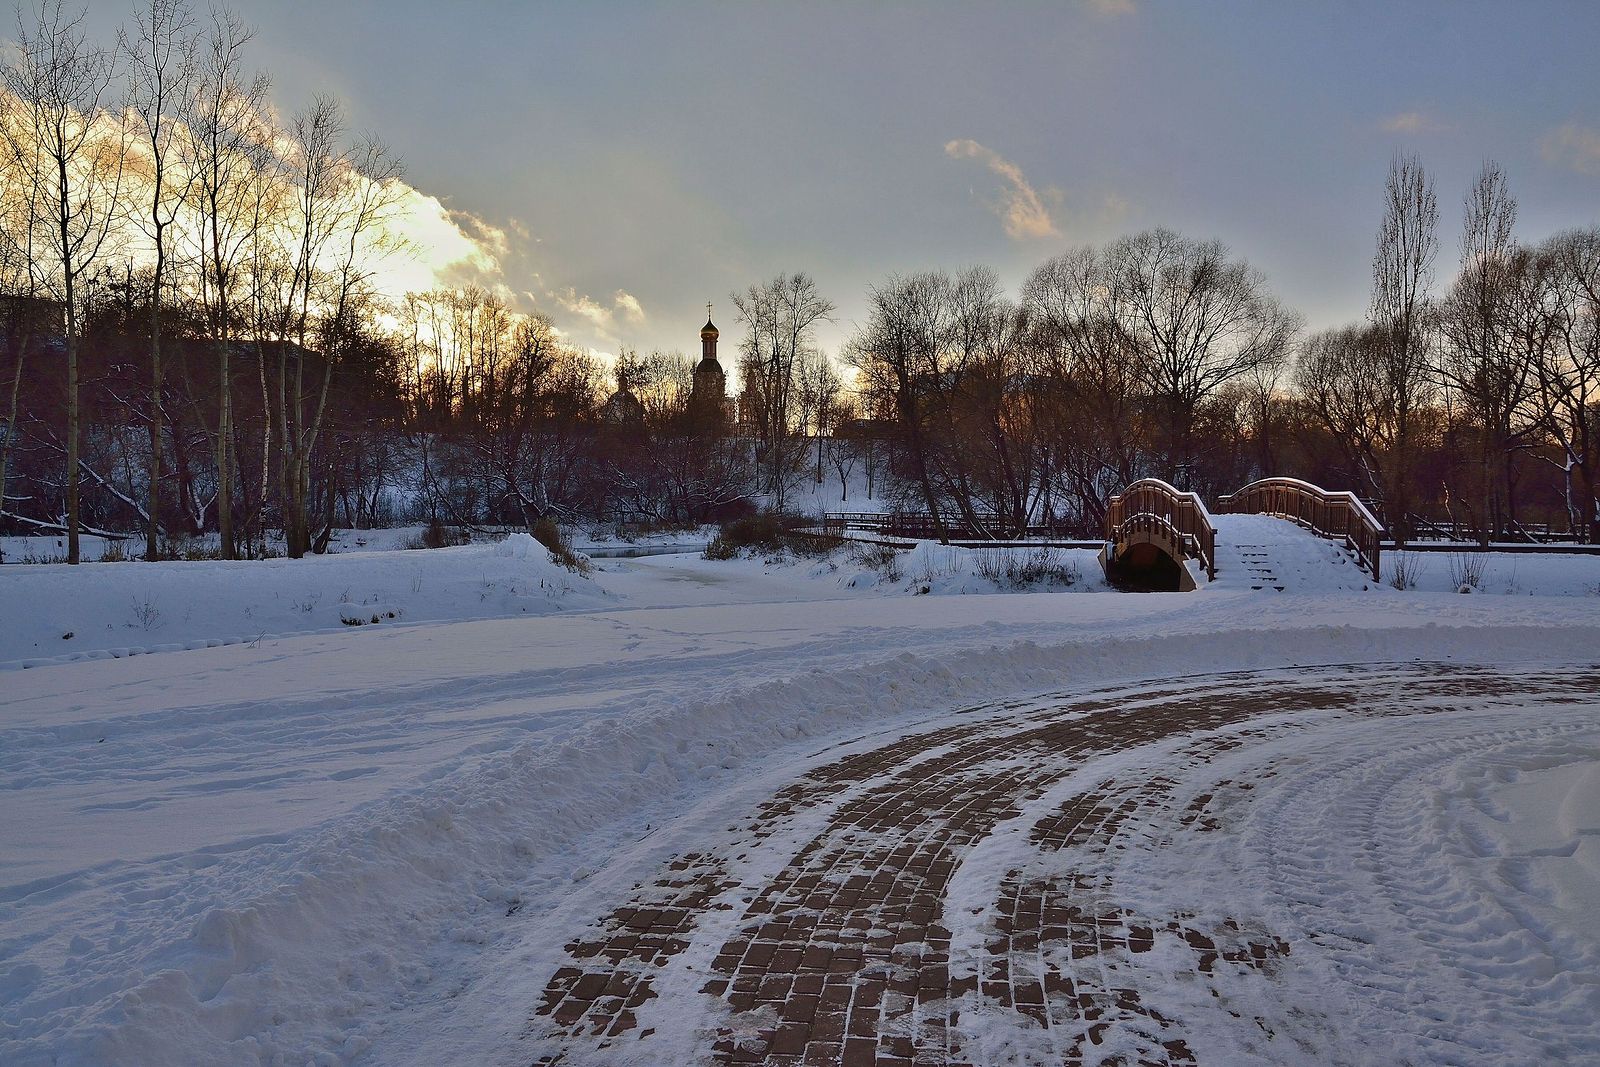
(617, 165)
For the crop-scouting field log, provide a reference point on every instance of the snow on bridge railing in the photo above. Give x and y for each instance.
(1336, 515)
(1144, 503)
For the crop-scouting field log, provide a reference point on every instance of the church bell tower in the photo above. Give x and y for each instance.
(708, 399)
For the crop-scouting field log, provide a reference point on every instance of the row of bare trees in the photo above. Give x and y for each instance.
(1163, 355)
(1503, 369)
(1108, 367)
(160, 159)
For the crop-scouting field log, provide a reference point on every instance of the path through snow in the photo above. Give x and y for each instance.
(1262, 868)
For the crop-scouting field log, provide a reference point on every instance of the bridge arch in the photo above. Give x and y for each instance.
(1152, 529)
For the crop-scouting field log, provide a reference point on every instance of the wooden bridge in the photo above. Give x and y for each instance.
(1153, 530)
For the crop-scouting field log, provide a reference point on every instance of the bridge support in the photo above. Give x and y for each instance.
(1145, 567)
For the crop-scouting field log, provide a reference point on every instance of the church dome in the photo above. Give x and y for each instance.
(709, 330)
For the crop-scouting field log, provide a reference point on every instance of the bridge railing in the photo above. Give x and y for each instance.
(1337, 516)
(1150, 505)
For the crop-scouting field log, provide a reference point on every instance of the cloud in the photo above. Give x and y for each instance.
(628, 306)
(436, 247)
(1022, 211)
(604, 318)
(1573, 146)
(1111, 8)
(1411, 122)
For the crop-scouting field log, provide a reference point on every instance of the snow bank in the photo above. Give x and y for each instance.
(51, 613)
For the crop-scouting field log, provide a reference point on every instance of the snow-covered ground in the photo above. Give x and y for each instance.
(334, 843)
(54, 612)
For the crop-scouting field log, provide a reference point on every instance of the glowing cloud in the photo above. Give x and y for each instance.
(438, 248)
(1022, 211)
(624, 308)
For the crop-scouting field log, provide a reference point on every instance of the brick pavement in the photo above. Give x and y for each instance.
(845, 955)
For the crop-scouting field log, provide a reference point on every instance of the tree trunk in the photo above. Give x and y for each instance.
(153, 526)
(225, 451)
(11, 416)
(73, 429)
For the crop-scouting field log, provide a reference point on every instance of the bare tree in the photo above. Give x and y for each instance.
(1093, 408)
(163, 54)
(223, 152)
(1481, 362)
(342, 195)
(1569, 371)
(898, 352)
(62, 145)
(20, 282)
(1402, 274)
(780, 321)
(1197, 321)
(819, 386)
(1342, 379)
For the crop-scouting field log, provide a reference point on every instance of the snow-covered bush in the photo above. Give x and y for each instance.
(1404, 570)
(1466, 570)
(1016, 569)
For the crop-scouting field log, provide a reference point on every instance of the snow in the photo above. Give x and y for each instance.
(55, 612)
(356, 844)
(1434, 904)
(1257, 552)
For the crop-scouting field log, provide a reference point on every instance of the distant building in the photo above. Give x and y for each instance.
(710, 408)
(622, 408)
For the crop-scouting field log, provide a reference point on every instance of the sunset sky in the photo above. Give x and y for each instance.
(623, 163)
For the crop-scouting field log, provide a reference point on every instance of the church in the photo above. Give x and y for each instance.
(710, 407)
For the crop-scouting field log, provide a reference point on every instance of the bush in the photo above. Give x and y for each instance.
(805, 543)
(720, 549)
(437, 535)
(547, 533)
(1467, 570)
(885, 559)
(770, 532)
(1042, 565)
(1404, 570)
(764, 529)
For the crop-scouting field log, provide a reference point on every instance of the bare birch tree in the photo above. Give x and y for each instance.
(343, 194)
(63, 146)
(223, 153)
(163, 53)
